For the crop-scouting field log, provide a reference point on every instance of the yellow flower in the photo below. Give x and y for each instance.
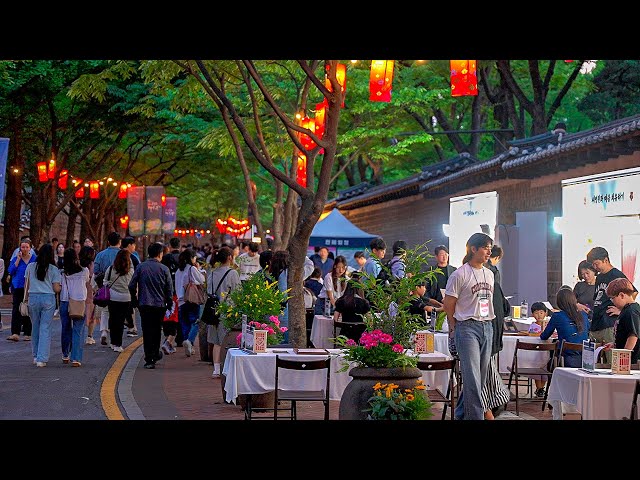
(410, 398)
(420, 387)
(407, 390)
(378, 386)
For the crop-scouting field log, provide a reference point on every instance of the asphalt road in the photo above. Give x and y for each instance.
(57, 391)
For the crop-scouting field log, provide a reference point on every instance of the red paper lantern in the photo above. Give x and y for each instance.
(301, 172)
(80, 191)
(64, 178)
(341, 76)
(94, 189)
(42, 171)
(221, 225)
(380, 80)
(122, 193)
(51, 169)
(463, 78)
(163, 200)
(124, 221)
(305, 139)
(318, 120)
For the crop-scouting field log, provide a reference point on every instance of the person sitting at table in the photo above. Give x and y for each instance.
(350, 307)
(333, 287)
(419, 303)
(572, 326)
(627, 328)
(314, 282)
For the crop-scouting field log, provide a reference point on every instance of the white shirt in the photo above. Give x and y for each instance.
(466, 284)
(248, 265)
(182, 279)
(328, 287)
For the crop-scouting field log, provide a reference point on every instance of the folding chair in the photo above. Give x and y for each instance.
(435, 395)
(528, 372)
(634, 404)
(295, 396)
(568, 346)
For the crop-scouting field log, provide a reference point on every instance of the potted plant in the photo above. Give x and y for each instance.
(380, 356)
(391, 402)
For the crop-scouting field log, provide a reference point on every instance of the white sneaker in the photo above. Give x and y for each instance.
(188, 348)
(118, 349)
(90, 341)
(166, 348)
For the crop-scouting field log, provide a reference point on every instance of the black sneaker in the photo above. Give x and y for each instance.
(149, 366)
(540, 393)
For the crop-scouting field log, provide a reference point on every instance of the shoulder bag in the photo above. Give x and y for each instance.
(193, 292)
(209, 314)
(76, 307)
(24, 304)
(103, 295)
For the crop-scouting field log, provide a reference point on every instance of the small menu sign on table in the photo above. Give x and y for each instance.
(424, 342)
(621, 361)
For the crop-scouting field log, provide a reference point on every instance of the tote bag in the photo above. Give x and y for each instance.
(76, 307)
(24, 304)
(194, 293)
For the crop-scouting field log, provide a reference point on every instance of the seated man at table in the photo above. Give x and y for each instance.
(627, 329)
(350, 307)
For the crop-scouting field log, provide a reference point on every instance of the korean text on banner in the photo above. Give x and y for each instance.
(169, 215)
(135, 210)
(153, 210)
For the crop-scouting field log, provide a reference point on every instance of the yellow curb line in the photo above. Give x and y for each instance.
(110, 382)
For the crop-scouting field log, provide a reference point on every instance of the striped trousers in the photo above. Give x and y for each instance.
(494, 391)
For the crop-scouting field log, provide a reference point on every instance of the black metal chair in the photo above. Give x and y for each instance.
(295, 396)
(435, 395)
(356, 329)
(528, 372)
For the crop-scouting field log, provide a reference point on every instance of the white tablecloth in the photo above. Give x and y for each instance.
(526, 358)
(596, 397)
(322, 331)
(255, 374)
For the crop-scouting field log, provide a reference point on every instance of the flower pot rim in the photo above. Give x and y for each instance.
(385, 372)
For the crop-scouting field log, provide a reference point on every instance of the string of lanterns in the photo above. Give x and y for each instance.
(47, 171)
(231, 226)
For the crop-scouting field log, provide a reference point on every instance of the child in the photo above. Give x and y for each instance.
(627, 328)
(539, 312)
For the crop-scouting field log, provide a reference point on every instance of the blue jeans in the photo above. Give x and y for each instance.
(41, 308)
(473, 342)
(188, 314)
(72, 334)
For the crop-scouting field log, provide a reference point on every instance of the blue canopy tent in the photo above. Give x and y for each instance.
(341, 236)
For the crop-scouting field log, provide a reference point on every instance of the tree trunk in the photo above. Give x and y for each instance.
(71, 225)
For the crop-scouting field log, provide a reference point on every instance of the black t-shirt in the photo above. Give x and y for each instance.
(629, 324)
(416, 307)
(601, 319)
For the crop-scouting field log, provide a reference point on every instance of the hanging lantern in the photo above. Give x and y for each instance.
(301, 172)
(318, 120)
(42, 171)
(64, 178)
(341, 76)
(80, 191)
(380, 80)
(51, 169)
(163, 200)
(124, 222)
(305, 139)
(221, 225)
(94, 189)
(122, 193)
(463, 78)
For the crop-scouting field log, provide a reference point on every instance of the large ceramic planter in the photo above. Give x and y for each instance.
(228, 342)
(355, 397)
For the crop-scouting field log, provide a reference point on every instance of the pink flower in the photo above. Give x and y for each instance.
(351, 343)
(270, 331)
(397, 348)
(263, 326)
(386, 338)
(239, 339)
(283, 329)
(274, 319)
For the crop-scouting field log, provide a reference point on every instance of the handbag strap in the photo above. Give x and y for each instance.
(221, 280)
(25, 296)
(114, 280)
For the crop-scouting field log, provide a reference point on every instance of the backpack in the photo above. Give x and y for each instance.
(384, 275)
(171, 261)
(309, 298)
(210, 315)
